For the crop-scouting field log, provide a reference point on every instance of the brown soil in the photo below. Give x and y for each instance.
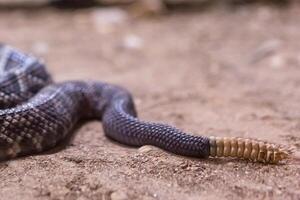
(218, 71)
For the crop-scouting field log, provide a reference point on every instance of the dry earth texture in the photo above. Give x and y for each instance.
(223, 71)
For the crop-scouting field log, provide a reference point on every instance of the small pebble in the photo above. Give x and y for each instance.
(145, 149)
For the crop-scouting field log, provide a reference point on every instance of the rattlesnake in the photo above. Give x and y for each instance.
(36, 114)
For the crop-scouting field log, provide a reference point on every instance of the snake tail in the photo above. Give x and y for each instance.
(250, 149)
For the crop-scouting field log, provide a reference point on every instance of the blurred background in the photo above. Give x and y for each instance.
(210, 67)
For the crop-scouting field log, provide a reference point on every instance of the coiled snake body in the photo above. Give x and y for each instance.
(36, 114)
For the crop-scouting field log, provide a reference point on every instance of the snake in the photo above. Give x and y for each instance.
(36, 114)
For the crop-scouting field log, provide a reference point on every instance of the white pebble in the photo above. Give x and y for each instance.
(145, 149)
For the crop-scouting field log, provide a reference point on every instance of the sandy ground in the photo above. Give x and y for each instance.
(217, 71)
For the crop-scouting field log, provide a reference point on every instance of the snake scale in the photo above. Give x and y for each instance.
(36, 114)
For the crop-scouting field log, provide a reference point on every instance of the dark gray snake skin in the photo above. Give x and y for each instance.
(37, 114)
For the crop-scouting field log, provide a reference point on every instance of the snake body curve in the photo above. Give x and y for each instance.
(36, 114)
(32, 123)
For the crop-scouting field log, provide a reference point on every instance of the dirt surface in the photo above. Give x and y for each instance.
(218, 71)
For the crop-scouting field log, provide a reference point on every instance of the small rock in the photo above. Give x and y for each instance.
(145, 149)
(118, 195)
